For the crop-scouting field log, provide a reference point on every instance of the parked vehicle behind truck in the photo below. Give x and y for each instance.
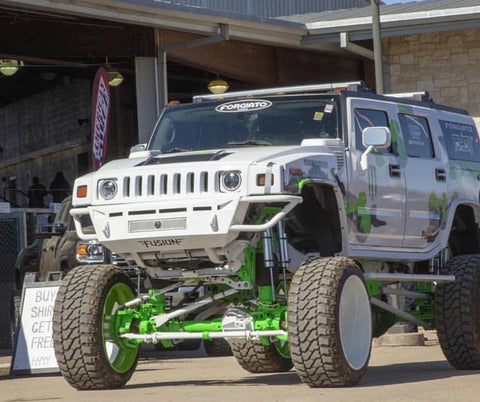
(57, 249)
(53, 248)
(298, 210)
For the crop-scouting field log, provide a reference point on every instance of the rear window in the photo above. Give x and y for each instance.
(461, 140)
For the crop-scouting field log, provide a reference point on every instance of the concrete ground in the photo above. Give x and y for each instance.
(402, 373)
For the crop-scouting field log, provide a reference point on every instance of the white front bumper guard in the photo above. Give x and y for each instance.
(291, 200)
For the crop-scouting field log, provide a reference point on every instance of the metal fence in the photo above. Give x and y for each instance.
(17, 230)
(11, 241)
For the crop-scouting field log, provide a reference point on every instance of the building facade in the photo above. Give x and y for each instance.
(446, 64)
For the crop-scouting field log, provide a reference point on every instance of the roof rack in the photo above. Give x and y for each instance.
(418, 96)
(352, 86)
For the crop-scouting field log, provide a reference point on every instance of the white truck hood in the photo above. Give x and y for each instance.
(247, 154)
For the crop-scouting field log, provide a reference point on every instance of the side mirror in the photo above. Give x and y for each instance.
(374, 138)
(47, 231)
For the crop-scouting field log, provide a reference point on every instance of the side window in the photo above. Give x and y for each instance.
(368, 118)
(462, 141)
(417, 136)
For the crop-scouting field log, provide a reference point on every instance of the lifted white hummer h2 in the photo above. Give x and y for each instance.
(299, 212)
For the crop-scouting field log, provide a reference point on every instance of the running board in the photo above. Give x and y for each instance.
(384, 277)
(157, 336)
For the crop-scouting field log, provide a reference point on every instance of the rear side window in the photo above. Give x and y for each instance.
(461, 140)
(368, 118)
(417, 137)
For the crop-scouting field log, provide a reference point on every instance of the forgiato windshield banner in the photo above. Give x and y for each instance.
(244, 105)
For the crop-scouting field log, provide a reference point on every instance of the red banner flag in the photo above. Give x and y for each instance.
(100, 117)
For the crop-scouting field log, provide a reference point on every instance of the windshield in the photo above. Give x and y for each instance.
(285, 120)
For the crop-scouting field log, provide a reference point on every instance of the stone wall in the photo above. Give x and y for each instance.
(43, 134)
(447, 64)
(51, 132)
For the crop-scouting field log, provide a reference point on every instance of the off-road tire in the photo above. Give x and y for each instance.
(78, 335)
(257, 358)
(457, 312)
(217, 347)
(328, 306)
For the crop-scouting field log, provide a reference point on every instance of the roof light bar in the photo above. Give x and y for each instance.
(279, 91)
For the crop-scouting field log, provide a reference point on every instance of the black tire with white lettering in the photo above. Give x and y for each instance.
(457, 312)
(329, 322)
(88, 355)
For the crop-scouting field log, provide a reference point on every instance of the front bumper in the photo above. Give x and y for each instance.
(176, 228)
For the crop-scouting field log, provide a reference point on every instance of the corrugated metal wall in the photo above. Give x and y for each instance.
(271, 8)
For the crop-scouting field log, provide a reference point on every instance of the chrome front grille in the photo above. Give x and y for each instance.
(150, 225)
(168, 184)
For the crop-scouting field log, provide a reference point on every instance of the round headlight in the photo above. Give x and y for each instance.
(108, 189)
(231, 180)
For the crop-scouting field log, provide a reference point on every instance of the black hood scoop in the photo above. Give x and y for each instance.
(184, 158)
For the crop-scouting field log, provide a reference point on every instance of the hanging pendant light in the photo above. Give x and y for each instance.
(9, 67)
(218, 86)
(115, 78)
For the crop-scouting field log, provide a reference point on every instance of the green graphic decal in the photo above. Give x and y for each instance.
(438, 205)
(358, 215)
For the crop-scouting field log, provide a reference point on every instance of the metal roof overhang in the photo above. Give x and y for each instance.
(323, 32)
(175, 18)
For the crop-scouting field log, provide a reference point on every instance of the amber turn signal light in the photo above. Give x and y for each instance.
(82, 249)
(81, 191)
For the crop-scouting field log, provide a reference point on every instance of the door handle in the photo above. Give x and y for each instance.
(440, 174)
(394, 170)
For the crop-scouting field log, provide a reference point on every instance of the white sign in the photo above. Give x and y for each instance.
(34, 352)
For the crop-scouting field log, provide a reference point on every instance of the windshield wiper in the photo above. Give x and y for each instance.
(249, 142)
(172, 150)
